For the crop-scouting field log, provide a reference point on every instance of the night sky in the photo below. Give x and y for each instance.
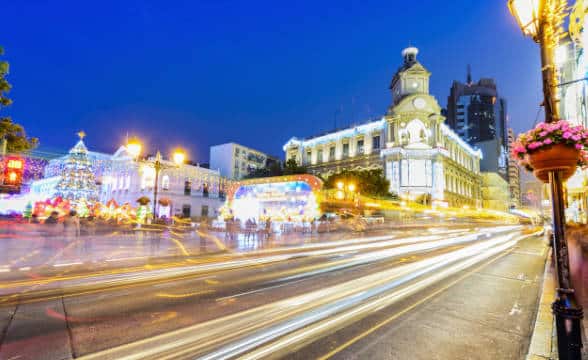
(199, 73)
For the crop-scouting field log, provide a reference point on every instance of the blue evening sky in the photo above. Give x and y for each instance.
(204, 72)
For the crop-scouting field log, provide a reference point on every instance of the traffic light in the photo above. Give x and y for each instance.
(13, 173)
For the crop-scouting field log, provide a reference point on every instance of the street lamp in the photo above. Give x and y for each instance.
(134, 148)
(542, 20)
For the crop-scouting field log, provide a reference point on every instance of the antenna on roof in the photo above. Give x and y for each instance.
(469, 78)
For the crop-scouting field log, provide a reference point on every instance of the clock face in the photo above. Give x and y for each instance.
(419, 103)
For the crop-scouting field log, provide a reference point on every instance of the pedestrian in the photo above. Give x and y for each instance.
(268, 227)
(35, 219)
(53, 218)
(71, 225)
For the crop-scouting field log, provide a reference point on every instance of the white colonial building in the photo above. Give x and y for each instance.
(420, 155)
(185, 190)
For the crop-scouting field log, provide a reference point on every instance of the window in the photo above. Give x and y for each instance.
(360, 147)
(205, 190)
(345, 150)
(376, 142)
(187, 187)
(320, 156)
(165, 182)
(236, 151)
(186, 211)
(308, 156)
(331, 153)
(204, 211)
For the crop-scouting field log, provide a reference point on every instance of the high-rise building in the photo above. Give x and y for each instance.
(478, 115)
(514, 176)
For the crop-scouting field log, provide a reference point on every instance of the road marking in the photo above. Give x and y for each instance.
(68, 264)
(181, 296)
(4, 269)
(404, 311)
(26, 268)
(127, 258)
(259, 290)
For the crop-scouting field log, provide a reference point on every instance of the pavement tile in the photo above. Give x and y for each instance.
(29, 338)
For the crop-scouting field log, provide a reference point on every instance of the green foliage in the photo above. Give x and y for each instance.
(278, 169)
(292, 168)
(368, 182)
(15, 135)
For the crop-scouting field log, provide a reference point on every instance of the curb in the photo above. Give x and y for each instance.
(543, 341)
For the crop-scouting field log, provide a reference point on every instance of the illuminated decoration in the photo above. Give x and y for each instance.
(42, 209)
(281, 198)
(13, 171)
(78, 182)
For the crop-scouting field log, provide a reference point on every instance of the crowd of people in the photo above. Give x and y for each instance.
(252, 229)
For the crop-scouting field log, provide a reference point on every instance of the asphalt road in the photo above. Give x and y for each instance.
(439, 294)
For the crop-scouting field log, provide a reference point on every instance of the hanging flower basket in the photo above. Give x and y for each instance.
(552, 147)
(558, 157)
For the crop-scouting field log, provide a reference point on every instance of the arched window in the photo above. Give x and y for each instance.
(417, 132)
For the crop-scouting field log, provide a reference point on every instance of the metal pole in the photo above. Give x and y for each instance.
(567, 313)
(157, 169)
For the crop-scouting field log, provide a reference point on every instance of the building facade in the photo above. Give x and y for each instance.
(186, 190)
(514, 174)
(495, 192)
(478, 115)
(236, 161)
(421, 156)
(572, 70)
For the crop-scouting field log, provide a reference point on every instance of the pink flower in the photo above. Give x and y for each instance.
(547, 141)
(575, 137)
(579, 146)
(567, 135)
(534, 145)
(543, 133)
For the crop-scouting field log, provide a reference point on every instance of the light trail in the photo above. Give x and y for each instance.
(108, 281)
(304, 316)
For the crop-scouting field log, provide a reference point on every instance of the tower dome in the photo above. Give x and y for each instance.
(409, 54)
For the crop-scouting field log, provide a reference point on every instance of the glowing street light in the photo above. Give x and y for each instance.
(340, 185)
(526, 12)
(351, 187)
(179, 157)
(134, 147)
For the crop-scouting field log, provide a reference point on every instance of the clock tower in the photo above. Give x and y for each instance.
(411, 78)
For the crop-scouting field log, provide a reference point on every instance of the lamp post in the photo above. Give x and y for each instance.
(134, 148)
(542, 20)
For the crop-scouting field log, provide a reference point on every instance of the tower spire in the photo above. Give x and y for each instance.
(469, 77)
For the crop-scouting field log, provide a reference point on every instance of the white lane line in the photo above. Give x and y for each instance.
(26, 268)
(128, 258)
(67, 264)
(259, 290)
(4, 270)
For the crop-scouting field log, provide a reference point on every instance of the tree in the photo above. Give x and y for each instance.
(14, 134)
(291, 168)
(276, 168)
(368, 182)
(77, 182)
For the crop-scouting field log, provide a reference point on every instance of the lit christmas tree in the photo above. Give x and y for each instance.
(77, 180)
(28, 210)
